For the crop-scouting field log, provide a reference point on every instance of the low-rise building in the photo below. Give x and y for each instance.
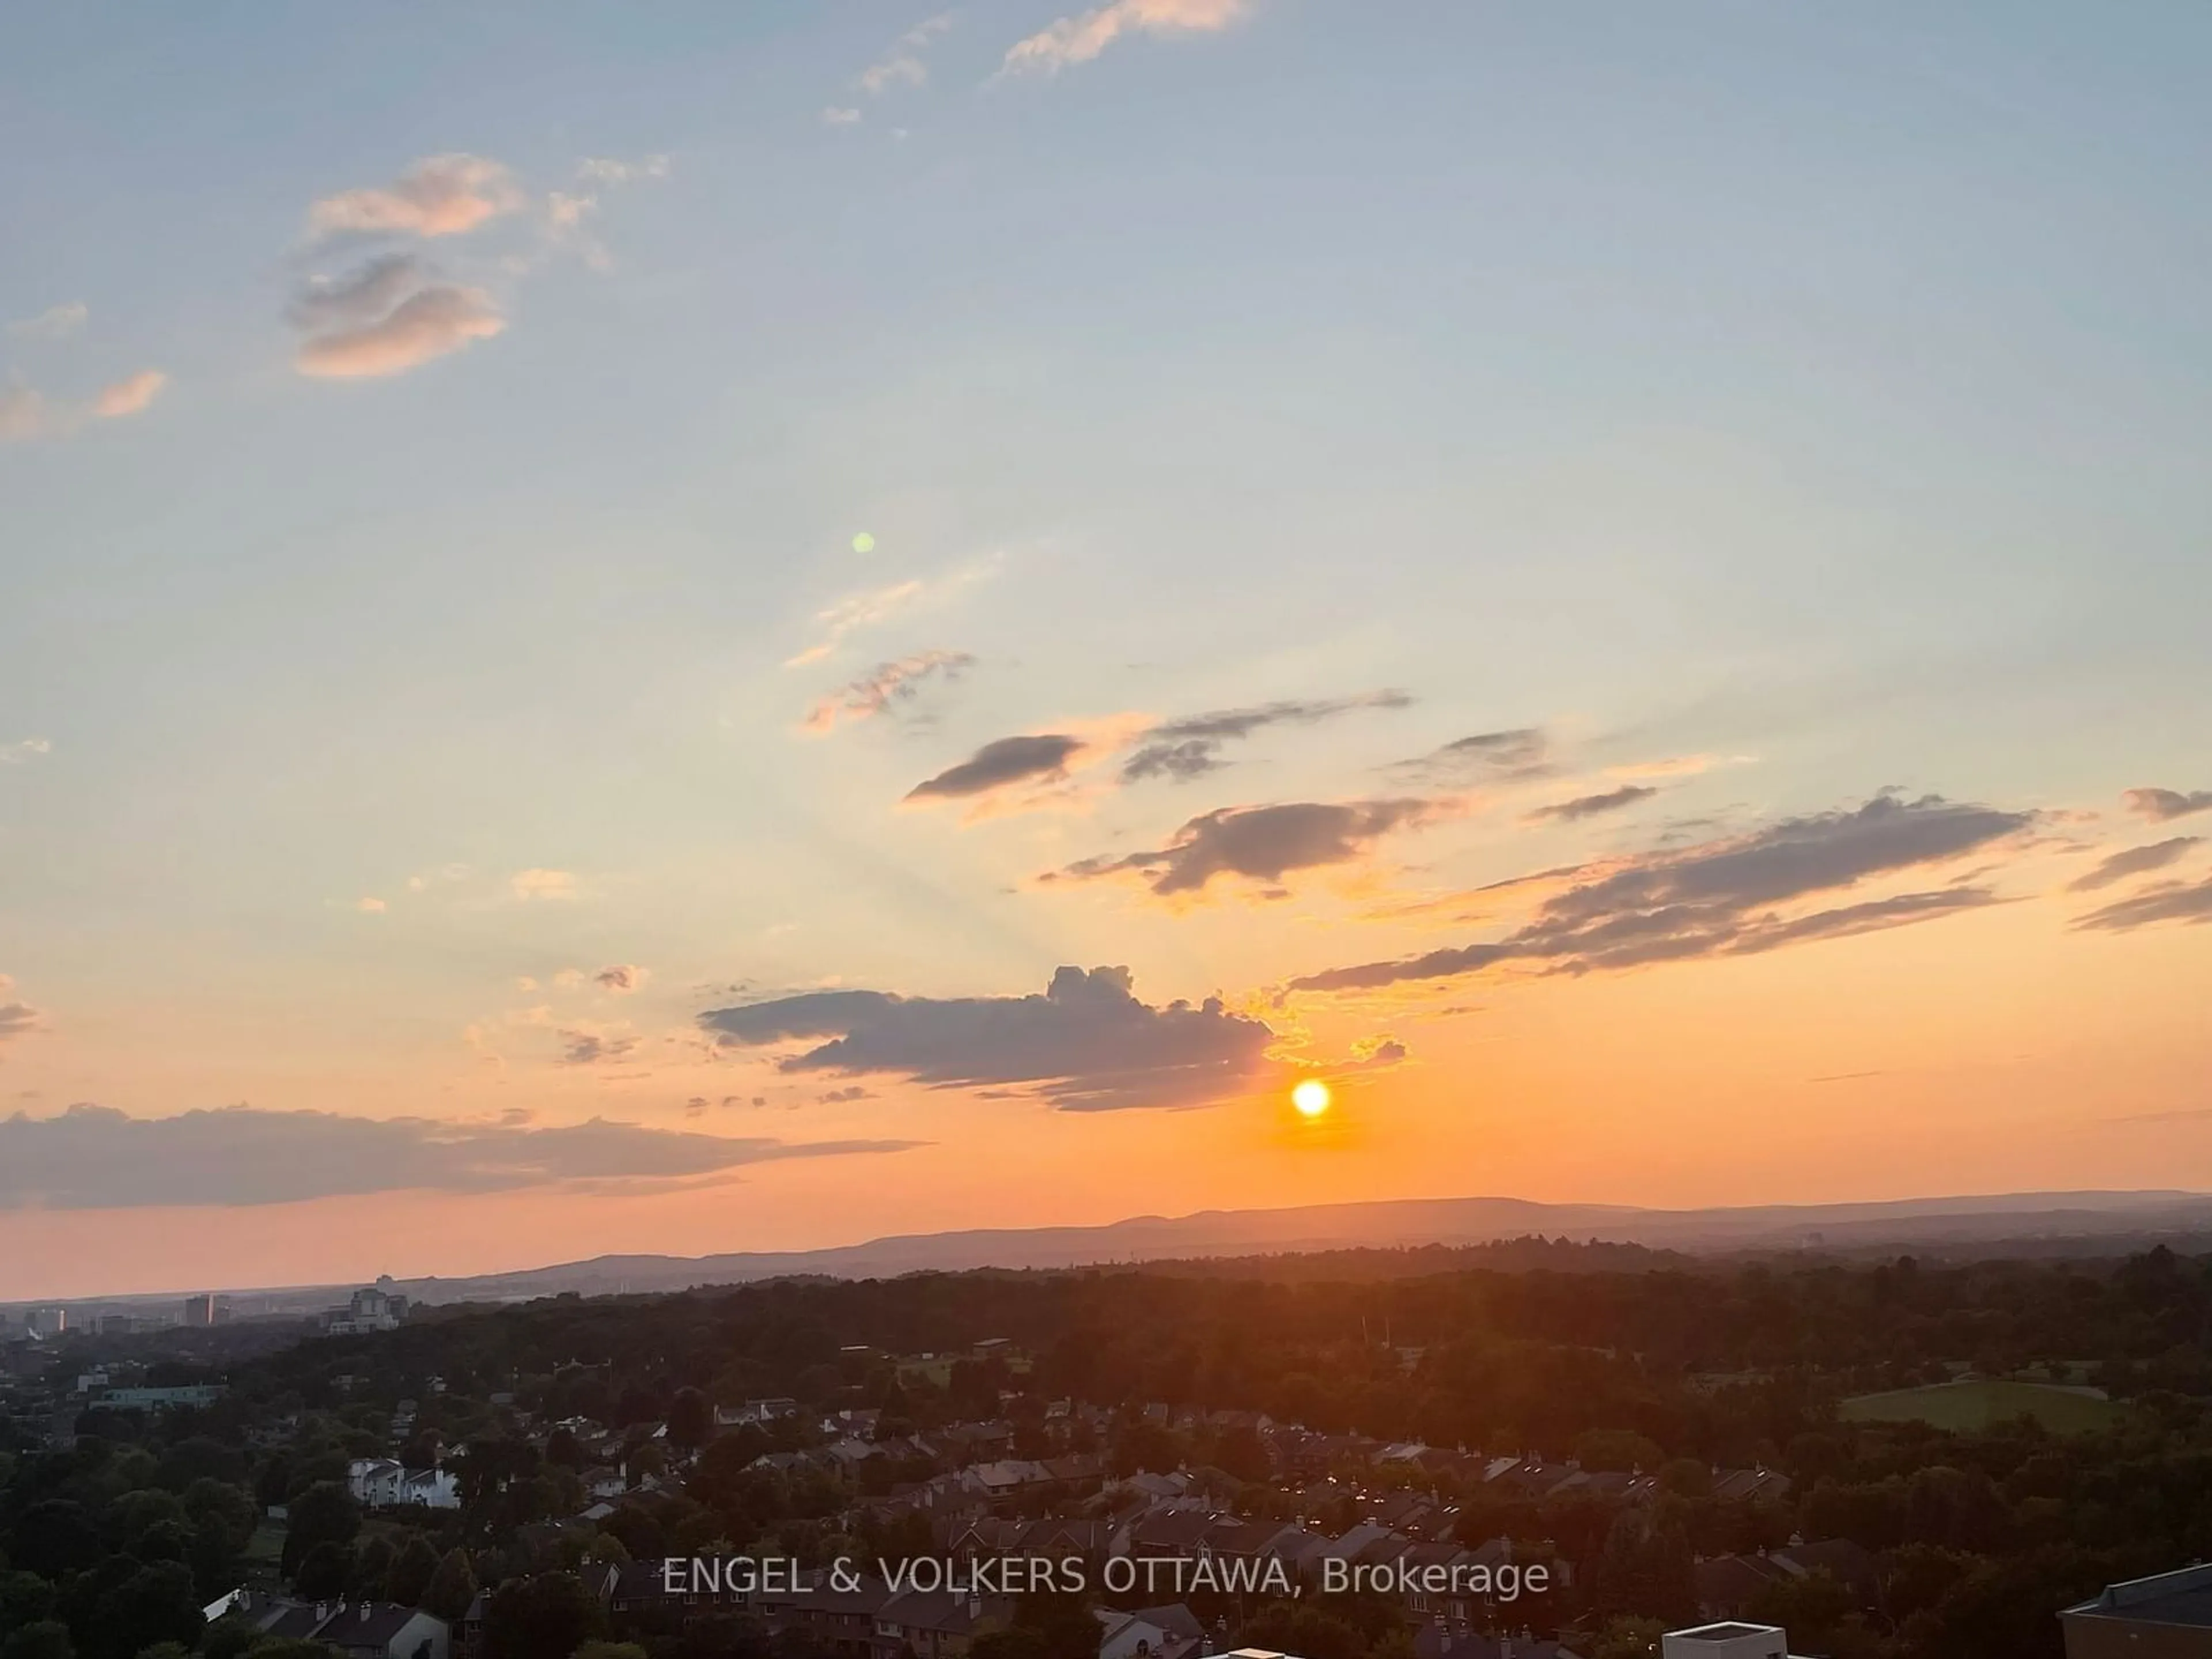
(2167, 1616)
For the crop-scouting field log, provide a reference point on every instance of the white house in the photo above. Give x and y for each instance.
(378, 1483)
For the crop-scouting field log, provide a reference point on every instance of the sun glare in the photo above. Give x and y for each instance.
(1311, 1097)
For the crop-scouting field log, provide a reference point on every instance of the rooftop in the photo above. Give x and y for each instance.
(2183, 1596)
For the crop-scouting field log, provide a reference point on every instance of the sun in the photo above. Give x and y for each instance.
(1311, 1097)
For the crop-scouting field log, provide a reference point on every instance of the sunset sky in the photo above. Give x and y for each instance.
(709, 626)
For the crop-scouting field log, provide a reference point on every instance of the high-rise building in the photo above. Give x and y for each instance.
(46, 1322)
(199, 1309)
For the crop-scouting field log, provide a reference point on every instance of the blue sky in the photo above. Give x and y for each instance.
(1783, 404)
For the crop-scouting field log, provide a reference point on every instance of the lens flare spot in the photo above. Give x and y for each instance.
(864, 543)
(1311, 1098)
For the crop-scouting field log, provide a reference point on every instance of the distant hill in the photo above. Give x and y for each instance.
(2049, 1222)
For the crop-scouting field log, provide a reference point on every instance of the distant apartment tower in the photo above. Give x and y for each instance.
(199, 1310)
(372, 1307)
(2168, 1616)
(46, 1322)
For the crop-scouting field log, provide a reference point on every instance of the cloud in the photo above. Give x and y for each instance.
(428, 323)
(856, 610)
(439, 196)
(16, 1019)
(1717, 898)
(622, 978)
(1590, 806)
(1086, 1044)
(55, 323)
(902, 64)
(607, 170)
(1041, 756)
(1262, 843)
(1079, 38)
(566, 211)
(834, 116)
(27, 413)
(366, 295)
(2169, 901)
(95, 1158)
(24, 749)
(24, 414)
(543, 884)
(885, 687)
(1191, 748)
(585, 1048)
(2160, 804)
(2134, 861)
(370, 906)
(846, 1096)
(1485, 757)
(133, 396)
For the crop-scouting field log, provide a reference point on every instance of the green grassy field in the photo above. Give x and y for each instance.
(1977, 1404)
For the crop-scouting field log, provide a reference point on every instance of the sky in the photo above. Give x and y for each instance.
(702, 627)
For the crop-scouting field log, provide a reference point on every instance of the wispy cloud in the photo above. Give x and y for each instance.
(1192, 747)
(840, 115)
(584, 1046)
(1260, 843)
(1519, 752)
(622, 977)
(569, 213)
(1724, 897)
(1590, 806)
(853, 612)
(2134, 861)
(130, 396)
(609, 170)
(17, 1019)
(903, 64)
(1079, 38)
(2160, 805)
(543, 884)
(2171, 901)
(55, 323)
(95, 1158)
(884, 687)
(27, 413)
(24, 749)
(439, 196)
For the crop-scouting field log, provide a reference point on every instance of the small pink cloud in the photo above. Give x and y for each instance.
(131, 396)
(429, 323)
(440, 196)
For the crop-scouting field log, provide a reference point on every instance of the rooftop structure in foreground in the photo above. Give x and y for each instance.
(1729, 1639)
(2166, 1616)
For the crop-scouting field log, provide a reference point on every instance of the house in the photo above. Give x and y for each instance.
(378, 1483)
(2166, 1616)
(371, 1631)
(1750, 1485)
(1727, 1585)
(363, 1629)
(1168, 1632)
(1729, 1640)
(938, 1624)
(1445, 1640)
(374, 1482)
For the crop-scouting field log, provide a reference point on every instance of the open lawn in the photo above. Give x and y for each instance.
(1980, 1403)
